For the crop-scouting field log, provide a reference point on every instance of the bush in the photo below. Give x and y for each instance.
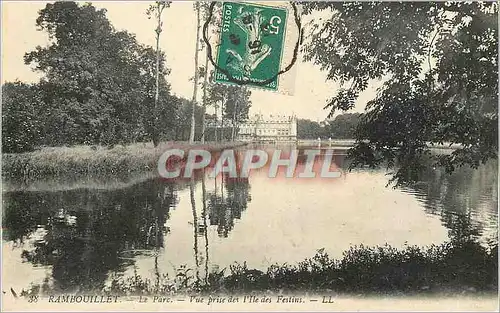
(457, 266)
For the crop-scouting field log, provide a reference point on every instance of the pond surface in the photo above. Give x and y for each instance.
(82, 237)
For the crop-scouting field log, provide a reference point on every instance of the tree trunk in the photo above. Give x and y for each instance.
(195, 88)
(205, 81)
(155, 134)
(234, 120)
(222, 119)
(216, 123)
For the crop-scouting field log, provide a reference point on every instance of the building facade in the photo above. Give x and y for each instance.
(260, 128)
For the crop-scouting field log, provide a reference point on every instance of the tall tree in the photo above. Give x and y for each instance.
(205, 85)
(439, 64)
(196, 72)
(212, 31)
(97, 81)
(157, 10)
(237, 107)
(165, 106)
(234, 103)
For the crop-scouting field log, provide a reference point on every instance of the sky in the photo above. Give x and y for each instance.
(311, 90)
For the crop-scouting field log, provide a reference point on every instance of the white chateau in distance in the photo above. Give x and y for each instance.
(275, 128)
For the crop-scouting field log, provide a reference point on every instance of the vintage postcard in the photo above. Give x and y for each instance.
(249, 156)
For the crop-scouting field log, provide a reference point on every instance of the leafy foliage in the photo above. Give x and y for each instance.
(342, 127)
(439, 66)
(458, 266)
(98, 85)
(156, 10)
(20, 108)
(233, 101)
(307, 129)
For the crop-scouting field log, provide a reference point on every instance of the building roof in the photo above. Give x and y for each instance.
(272, 118)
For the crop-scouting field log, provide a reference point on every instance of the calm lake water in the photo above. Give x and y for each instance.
(82, 237)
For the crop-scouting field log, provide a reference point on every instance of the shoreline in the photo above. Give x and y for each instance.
(99, 167)
(92, 163)
(363, 271)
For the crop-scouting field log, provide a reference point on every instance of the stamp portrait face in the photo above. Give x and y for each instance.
(251, 43)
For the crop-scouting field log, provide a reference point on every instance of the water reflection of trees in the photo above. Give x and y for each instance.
(88, 232)
(227, 202)
(219, 208)
(465, 200)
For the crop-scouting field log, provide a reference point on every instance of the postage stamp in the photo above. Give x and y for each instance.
(251, 44)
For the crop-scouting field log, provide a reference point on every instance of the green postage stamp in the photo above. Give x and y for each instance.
(251, 44)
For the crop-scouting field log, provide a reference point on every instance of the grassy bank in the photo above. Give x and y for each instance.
(456, 267)
(92, 161)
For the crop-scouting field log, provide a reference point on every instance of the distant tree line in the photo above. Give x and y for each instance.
(99, 87)
(342, 127)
